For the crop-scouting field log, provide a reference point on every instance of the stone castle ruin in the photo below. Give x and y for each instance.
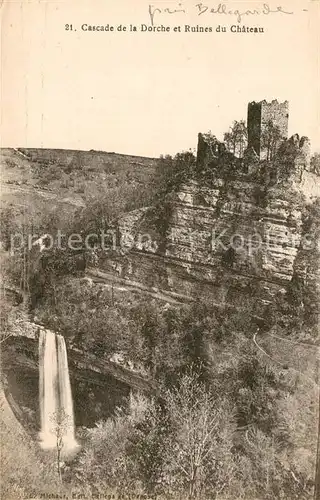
(269, 152)
(260, 116)
(258, 200)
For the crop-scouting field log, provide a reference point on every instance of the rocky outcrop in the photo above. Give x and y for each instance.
(233, 238)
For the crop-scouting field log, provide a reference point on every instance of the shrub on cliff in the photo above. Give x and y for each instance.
(171, 172)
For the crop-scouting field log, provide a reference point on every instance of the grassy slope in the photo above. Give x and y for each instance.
(23, 466)
(38, 180)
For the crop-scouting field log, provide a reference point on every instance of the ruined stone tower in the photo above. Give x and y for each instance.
(260, 114)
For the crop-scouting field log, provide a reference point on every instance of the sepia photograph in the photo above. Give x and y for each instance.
(159, 250)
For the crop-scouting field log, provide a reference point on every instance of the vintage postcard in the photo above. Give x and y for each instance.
(159, 246)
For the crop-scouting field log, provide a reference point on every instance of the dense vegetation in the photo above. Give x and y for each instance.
(234, 415)
(228, 421)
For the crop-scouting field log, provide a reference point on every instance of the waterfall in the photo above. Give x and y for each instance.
(65, 393)
(56, 405)
(48, 372)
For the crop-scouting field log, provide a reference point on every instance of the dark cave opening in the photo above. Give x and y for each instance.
(95, 396)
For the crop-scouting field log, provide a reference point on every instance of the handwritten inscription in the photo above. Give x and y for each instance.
(202, 9)
(155, 10)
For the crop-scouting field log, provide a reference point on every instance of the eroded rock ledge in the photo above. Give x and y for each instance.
(260, 209)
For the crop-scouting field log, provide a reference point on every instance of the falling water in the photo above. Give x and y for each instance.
(55, 392)
(65, 392)
(48, 372)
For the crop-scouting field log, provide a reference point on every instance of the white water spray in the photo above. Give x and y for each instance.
(65, 393)
(55, 393)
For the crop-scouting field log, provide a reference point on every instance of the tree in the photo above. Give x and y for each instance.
(198, 325)
(61, 423)
(8, 317)
(183, 446)
(8, 227)
(198, 452)
(237, 137)
(270, 139)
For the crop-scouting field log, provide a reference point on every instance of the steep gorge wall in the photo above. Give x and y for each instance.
(232, 241)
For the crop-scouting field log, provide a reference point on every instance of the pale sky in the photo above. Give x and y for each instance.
(151, 93)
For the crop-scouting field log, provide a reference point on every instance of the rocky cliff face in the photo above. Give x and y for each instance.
(238, 236)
